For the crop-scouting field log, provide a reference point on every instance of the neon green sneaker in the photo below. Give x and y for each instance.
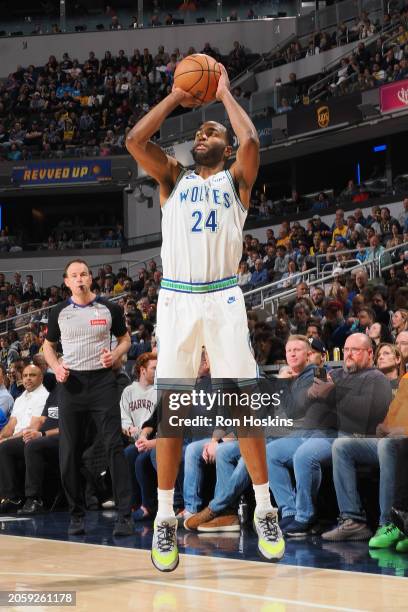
(271, 545)
(402, 546)
(165, 555)
(385, 536)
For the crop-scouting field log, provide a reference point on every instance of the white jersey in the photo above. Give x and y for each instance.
(202, 228)
(137, 404)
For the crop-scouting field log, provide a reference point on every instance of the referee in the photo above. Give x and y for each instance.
(84, 324)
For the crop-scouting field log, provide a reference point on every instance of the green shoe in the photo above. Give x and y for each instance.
(385, 536)
(402, 546)
(271, 545)
(165, 556)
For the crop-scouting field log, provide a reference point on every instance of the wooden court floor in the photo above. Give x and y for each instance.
(118, 579)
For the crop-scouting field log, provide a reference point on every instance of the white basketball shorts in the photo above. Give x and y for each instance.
(188, 321)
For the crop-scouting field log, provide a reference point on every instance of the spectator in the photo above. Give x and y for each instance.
(23, 419)
(388, 360)
(6, 400)
(399, 321)
(115, 24)
(244, 275)
(15, 376)
(378, 333)
(301, 315)
(137, 404)
(199, 454)
(41, 449)
(401, 342)
(304, 449)
(376, 252)
(361, 419)
(320, 203)
(260, 274)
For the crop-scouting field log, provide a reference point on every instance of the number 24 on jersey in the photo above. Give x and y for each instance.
(209, 224)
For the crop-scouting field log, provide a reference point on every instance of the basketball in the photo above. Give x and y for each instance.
(198, 74)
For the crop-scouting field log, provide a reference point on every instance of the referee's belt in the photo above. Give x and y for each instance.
(184, 287)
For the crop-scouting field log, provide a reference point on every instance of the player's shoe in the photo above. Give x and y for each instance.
(271, 545)
(165, 555)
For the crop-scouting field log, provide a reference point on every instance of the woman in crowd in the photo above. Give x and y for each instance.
(379, 333)
(399, 321)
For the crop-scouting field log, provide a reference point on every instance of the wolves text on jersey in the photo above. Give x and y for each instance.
(204, 193)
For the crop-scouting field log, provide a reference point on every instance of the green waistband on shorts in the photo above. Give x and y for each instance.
(183, 287)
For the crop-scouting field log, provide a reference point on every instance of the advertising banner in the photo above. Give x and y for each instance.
(394, 96)
(62, 172)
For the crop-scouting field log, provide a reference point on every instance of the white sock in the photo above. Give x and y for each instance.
(165, 500)
(263, 500)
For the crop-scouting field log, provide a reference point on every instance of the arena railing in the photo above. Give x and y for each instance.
(6, 325)
(316, 21)
(335, 255)
(374, 269)
(265, 291)
(387, 266)
(317, 89)
(75, 245)
(281, 298)
(39, 274)
(382, 259)
(96, 21)
(319, 272)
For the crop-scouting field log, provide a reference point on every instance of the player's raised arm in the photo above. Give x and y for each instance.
(160, 166)
(245, 168)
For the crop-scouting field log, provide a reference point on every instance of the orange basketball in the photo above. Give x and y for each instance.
(198, 74)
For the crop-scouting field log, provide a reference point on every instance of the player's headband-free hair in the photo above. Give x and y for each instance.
(229, 134)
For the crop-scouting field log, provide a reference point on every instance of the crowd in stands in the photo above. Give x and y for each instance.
(296, 248)
(70, 108)
(80, 19)
(356, 414)
(67, 235)
(370, 65)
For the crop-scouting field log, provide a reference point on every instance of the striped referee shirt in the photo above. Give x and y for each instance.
(85, 330)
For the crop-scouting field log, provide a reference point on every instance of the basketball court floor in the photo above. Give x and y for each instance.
(217, 572)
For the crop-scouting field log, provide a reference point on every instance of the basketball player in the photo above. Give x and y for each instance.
(200, 303)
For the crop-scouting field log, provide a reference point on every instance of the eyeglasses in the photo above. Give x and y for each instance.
(354, 349)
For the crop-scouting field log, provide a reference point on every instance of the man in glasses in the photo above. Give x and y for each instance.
(362, 395)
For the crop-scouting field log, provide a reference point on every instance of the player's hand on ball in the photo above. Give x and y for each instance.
(61, 372)
(106, 358)
(186, 100)
(223, 83)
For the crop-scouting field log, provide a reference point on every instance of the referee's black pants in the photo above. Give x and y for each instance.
(84, 394)
(16, 457)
